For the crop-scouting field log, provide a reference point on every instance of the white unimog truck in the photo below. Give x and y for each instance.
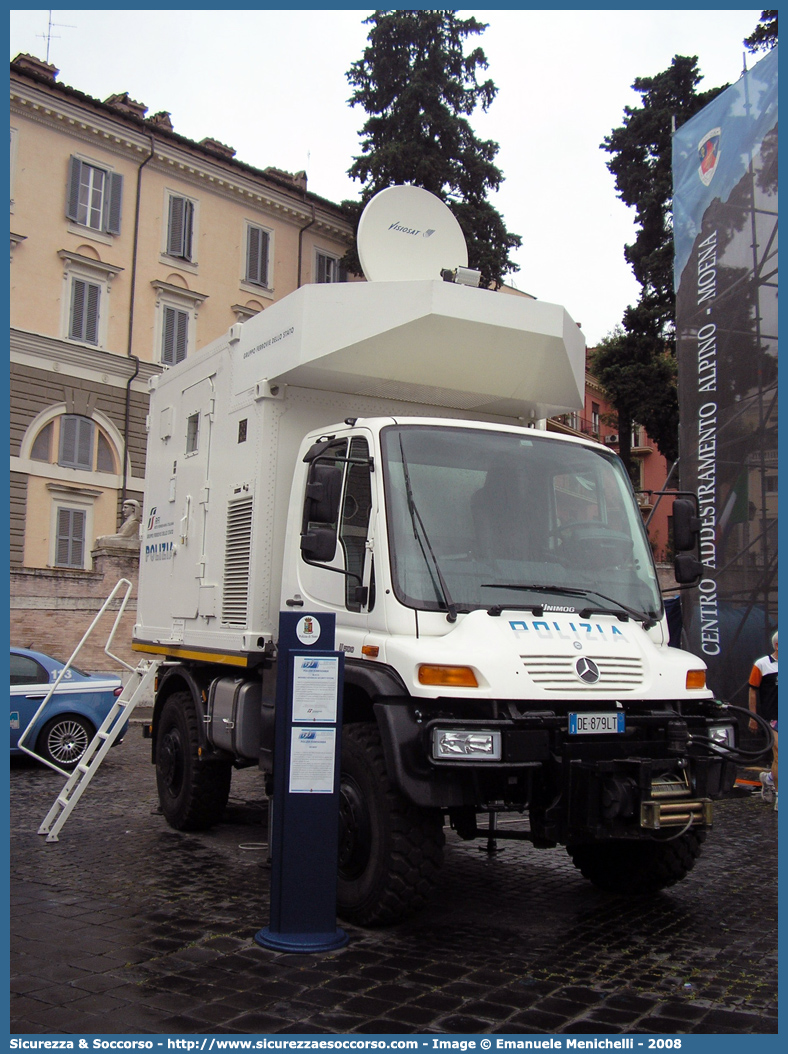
(376, 450)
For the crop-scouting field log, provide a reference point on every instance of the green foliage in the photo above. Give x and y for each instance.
(641, 164)
(641, 385)
(418, 88)
(764, 36)
(636, 364)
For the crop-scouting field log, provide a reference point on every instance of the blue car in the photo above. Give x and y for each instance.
(76, 709)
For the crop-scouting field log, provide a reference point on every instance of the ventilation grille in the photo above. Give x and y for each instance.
(237, 558)
(556, 673)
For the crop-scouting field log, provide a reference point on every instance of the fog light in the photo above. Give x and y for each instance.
(696, 678)
(469, 746)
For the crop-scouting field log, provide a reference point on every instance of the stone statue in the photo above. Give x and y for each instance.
(128, 537)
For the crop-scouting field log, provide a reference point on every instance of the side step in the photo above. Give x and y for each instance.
(111, 727)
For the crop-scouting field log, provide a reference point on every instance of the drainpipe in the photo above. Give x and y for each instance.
(301, 243)
(126, 423)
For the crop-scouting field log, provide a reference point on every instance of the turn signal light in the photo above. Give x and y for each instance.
(448, 676)
(370, 650)
(696, 678)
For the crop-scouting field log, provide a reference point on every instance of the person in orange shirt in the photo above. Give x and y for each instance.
(763, 700)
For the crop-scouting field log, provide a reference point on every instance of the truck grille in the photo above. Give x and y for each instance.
(556, 673)
(237, 558)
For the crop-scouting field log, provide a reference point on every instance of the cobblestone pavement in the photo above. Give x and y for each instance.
(126, 926)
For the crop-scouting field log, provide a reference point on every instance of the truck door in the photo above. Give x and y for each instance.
(345, 580)
(189, 495)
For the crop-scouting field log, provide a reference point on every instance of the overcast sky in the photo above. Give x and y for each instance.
(271, 84)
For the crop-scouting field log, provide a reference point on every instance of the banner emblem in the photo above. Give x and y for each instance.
(709, 155)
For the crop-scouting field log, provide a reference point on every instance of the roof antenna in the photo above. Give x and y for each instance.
(48, 36)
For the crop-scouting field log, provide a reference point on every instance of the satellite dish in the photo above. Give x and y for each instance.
(407, 234)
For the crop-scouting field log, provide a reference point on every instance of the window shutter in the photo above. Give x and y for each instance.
(92, 314)
(85, 299)
(84, 443)
(168, 338)
(68, 441)
(74, 177)
(257, 256)
(63, 537)
(175, 338)
(188, 223)
(175, 229)
(112, 202)
(70, 546)
(179, 232)
(181, 335)
(253, 254)
(76, 442)
(76, 329)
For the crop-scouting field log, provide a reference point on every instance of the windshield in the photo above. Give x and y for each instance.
(478, 519)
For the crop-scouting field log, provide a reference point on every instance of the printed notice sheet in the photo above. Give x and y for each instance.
(312, 753)
(315, 687)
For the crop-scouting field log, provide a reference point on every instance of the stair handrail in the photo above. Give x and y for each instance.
(121, 582)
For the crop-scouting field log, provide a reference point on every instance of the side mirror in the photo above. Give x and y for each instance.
(687, 570)
(686, 525)
(321, 512)
(323, 493)
(319, 544)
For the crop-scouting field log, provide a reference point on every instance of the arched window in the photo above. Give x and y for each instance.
(74, 441)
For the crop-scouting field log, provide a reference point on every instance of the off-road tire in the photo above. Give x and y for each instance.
(192, 793)
(390, 851)
(638, 867)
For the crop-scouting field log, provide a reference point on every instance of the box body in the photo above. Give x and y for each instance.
(225, 426)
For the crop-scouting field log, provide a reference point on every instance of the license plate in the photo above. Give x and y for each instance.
(595, 724)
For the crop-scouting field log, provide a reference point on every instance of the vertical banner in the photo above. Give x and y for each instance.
(725, 234)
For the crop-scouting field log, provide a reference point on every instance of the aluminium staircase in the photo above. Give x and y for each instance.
(114, 723)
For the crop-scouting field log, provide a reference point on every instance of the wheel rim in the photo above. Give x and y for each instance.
(355, 830)
(67, 742)
(171, 761)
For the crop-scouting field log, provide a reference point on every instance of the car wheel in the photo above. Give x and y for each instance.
(64, 740)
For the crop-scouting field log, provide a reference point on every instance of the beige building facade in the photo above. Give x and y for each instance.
(131, 247)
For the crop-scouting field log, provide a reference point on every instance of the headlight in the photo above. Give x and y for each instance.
(457, 744)
(722, 734)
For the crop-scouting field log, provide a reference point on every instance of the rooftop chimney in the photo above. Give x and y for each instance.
(213, 146)
(33, 65)
(123, 102)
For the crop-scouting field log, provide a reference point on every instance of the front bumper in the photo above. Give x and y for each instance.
(575, 788)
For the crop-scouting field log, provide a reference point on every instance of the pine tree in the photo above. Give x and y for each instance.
(418, 88)
(764, 36)
(641, 164)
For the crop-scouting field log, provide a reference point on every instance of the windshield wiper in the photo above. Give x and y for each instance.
(623, 613)
(418, 523)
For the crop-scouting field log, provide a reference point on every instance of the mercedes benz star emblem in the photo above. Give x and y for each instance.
(587, 670)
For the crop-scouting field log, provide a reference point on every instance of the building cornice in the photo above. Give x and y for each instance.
(95, 123)
(60, 356)
(77, 121)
